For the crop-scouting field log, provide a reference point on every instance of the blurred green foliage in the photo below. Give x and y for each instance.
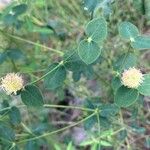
(79, 49)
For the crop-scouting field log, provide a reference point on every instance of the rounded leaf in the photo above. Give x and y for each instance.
(141, 43)
(89, 51)
(3, 57)
(15, 116)
(56, 78)
(6, 132)
(31, 96)
(116, 83)
(14, 54)
(144, 89)
(97, 29)
(90, 5)
(125, 61)
(125, 97)
(20, 9)
(128, 30)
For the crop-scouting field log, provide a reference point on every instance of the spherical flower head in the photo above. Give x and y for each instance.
(132, 78)
(12, 83)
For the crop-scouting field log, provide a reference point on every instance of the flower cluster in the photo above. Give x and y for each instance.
(132, 78)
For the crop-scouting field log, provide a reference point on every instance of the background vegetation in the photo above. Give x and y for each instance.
(44, 32)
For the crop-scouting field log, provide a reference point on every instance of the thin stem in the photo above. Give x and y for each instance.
(127, 141)
(7, 108)
(59, 130)
(35, 44)
(13, 145)
(55, 106)
(4, 115)
(61, 63)
(70, 107)
(42, 77)
(26, 128)
(115, 132)
(98, 121)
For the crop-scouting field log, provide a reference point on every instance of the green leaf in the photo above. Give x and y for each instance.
(56, 78)
(147, 10)
(19, 9)
(3, 57)
(88, 124)
(42, 30)
(147, 142)
(70, 146)
(122, 135)
(77, 66)
(141, 43)
(97, 29)
(106, 133)
(125, 61)
(32, 145)
(108, 110)
(138, 5)
(95, 146)
(8, 9)
(31, 96)
(144, 88)
(57, 147)
(105, 143)
(89, 51)
(15, 116)
(88, 142)
(125, 97)
(10, 19)
(90, 5)
(3, 105)
(127, 30)
(139, 130)
(105, 123)
(14, 53)
(6, 132)
(116, 83)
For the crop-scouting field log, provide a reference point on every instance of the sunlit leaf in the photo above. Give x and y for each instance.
(89, 51)
(127, 30)
(96, 29)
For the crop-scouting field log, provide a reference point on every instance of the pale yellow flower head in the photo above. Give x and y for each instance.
(12, 83)
(132, 78)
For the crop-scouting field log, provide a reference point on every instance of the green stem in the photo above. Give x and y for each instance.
(98, 121)
(35, 44)
(61, 63)
(59, 130)
(13, 145)
(70, 107)
(115, 132)
(55, 106)
(122, 121)
(42, 77)
(26, 128)
(4, 115)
